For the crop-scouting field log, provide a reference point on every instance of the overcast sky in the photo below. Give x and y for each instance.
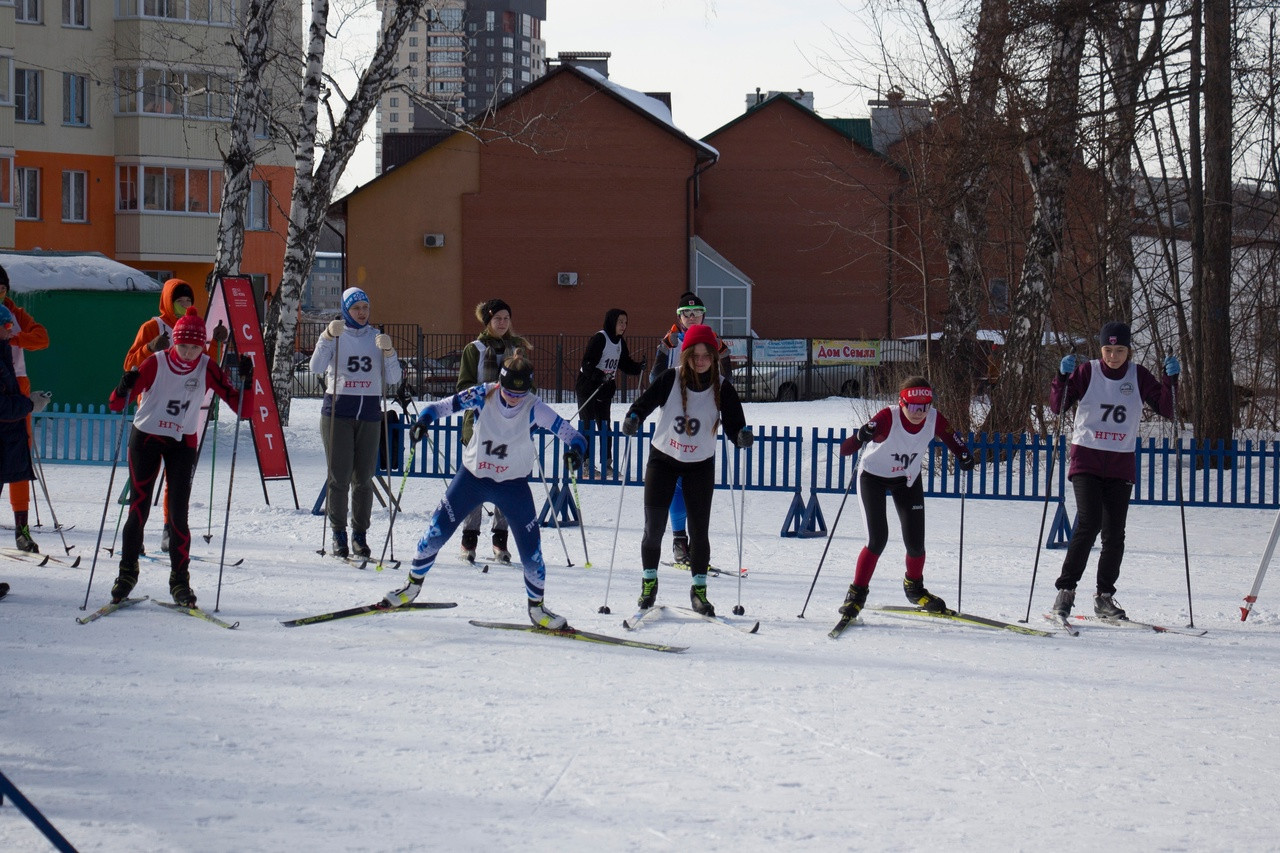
(707, 53)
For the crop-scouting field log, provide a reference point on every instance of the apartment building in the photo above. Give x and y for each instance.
(112, 133)
(458, 60)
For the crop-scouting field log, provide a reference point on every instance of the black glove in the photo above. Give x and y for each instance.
(631, 424)
(221, 333)
(418, 431)
(127, 382)
(607, 388)
(866, 432)
(246, 370)
(159, 342)
(573, 460)
(964, 461)
(745, 437)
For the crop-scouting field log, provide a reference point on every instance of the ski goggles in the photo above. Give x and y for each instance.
(692, 313)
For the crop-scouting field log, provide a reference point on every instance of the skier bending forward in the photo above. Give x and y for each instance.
(496, 464)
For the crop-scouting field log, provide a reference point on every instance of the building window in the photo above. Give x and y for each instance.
(395, 117)
(725, 290)
(75, 99)
(168, 189)
(259, 197)
(28, 200)
(75, 189)
(75, 13)
(200, 11)
(6, 180)
(164, 91)
(999, 295)
(26, 95)
(27, 12)
(6, 77)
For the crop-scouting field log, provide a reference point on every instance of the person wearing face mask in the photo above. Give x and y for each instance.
(481, 361)
(495, 467)
(895, 443)
(171, 384)
(606, 353)
(694, 401)
(1108, 393)
(358, 363)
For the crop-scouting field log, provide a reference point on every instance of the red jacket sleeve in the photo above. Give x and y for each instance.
(146, 378)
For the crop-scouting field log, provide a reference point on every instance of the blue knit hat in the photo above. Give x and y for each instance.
(6, 316)
(350, 297)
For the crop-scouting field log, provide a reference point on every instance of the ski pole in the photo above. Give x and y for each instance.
(1182, 506)
(554, 516)
(1044, 513)
(231, 481)
(122, 500)
(1262, 569)
(44, 487)
(111, 482)
(395, 507)
(329, 449)
(626, 467)
(213, 467)
(964, 488)
(582, 522)
(853, 475)
(741, 515)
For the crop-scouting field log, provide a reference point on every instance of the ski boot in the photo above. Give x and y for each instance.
(544, 618)
(339, 545)
(500, 552)
(405, 594)
(470, 538)
(1105, 607)
(1063, 603)
(854, 601)
(359, 546)
(648, 592)
(25, 543)
(680, 547)
(125, 581)
(698, 597)
(921, 597)
(180, 588)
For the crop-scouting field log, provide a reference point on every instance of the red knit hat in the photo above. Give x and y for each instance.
(699, 334)
(189, 329)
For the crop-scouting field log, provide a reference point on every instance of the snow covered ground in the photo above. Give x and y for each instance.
(150, 731)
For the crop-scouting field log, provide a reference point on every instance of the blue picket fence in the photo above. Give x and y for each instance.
(1010, 467)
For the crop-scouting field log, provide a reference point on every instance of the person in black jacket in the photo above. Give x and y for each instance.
(605, 355)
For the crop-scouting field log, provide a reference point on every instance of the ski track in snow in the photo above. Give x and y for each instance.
(146, 731)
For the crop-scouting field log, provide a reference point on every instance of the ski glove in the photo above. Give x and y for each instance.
(246, 370)
(383, 342)
(335, 328)
(573, 460)
(221, 333)
(745, 438)
(40, 401)
(418, 431)
(964, 461)
(159, 342)
(1068, 365)
(631, 424)
(867, 431)
(1172, 367)
(126, 383)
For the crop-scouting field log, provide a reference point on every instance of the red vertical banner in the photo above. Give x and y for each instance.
(232, 304)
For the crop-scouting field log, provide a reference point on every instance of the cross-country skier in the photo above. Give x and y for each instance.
(690, 310)
(15, 408)
(605, 355)
(27, 335)
(695, 400)
(894, 443)
(172, 383)
(1109, 393)
(358, 363)
(496, 464)
(481, 360)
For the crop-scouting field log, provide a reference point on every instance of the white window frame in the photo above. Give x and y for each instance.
(257, 213)
(75, 100)
(75, 13)
(27, 194)
(26, 104)
(28, 12)
(6, 79)
(75, 196)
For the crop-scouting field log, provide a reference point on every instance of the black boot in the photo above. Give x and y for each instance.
(340, 548)
(698, 597)
(921, 597)
(359, 546)
(500, 552)
(125, 581)
(470, 539)
(648, 592)
(680, 547)
(180, 588)
(854, 601)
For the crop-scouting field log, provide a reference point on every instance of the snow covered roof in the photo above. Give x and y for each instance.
(39, 271)
(644, 102)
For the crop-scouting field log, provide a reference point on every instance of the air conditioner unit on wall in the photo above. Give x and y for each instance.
(433, 241)
(566, 279)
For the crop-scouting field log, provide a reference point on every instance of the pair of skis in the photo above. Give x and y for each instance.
(649, 614)
(37, 558)
(1068, 625)
(108, 609)
(952, 616)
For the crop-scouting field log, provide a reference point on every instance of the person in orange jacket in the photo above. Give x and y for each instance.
(155, 335)
(28, 335)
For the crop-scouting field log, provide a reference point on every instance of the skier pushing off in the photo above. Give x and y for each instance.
(496, 463)
(1110, 392)
(896, 441)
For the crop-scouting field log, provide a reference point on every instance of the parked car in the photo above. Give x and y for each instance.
(306, 383)
(432, 377)
(790, 382)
